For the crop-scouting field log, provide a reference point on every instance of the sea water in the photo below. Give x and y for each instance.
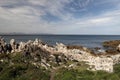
(90, 41)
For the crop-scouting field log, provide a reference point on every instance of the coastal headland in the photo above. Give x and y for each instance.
(43, 56)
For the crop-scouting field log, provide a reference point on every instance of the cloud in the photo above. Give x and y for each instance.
(20, 21)
(104, 2)
(96, 21)
(101, 20)
(77, 5)
(59, 16)
(53, 7)
(106, 23)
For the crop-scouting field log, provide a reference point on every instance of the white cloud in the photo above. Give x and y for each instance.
(97, 21)
(26, 11)
(19, 22)
(38, 2)
(101, 20)
(106, 18)
(54, 7)
(106, 23)
(28, 17)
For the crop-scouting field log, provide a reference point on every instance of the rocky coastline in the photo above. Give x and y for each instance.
(42, 54)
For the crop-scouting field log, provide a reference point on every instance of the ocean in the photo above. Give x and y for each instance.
(89, 41)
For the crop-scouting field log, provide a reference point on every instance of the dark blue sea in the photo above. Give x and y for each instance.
(90, 41)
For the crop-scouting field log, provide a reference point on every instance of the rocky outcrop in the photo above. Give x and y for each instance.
(4, 48)
(111, 44)
(61, 53)
(100, 63)
(83, 54)
(112, 47)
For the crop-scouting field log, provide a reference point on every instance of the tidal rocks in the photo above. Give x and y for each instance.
(111, 52)
(75, 47)
(111, 44)
(112, 47)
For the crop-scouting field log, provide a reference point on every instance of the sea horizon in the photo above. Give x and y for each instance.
(90, 41)
(27, 34)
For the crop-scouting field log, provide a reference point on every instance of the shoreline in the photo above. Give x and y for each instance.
(101, 61)
(90, 41)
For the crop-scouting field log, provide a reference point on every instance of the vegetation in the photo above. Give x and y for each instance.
(20, 70)
(73, 74)
(18, 67)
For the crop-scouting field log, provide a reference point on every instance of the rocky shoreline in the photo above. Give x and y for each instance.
(47, 56)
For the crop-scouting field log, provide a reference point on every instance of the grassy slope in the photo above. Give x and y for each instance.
(25, 71)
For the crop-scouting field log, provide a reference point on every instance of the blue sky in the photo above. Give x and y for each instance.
(60, 16)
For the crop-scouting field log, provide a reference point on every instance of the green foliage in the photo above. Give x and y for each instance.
(72, 74)
(10, 72)
(21, 70)
(18, 67)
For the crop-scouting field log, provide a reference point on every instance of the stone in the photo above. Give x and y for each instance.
(21, 46)
(118, 48)
(13, 44)
(61, 54)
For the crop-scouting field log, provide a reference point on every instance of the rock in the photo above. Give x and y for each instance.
(74, 47)
(112, 47)
(1, 60)
(37, 42)
(101, 63)
(9, 48)
(1, 48)
(2, 41)
(3, 45)
(101, 51)
(13, 44)
(21, 46)
(97, 48)
(111, 52)
(72, 65)
(60, 46)
(111, 44)
(118, 48)
(61, 54)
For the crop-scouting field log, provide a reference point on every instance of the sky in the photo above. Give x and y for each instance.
(60, 16)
